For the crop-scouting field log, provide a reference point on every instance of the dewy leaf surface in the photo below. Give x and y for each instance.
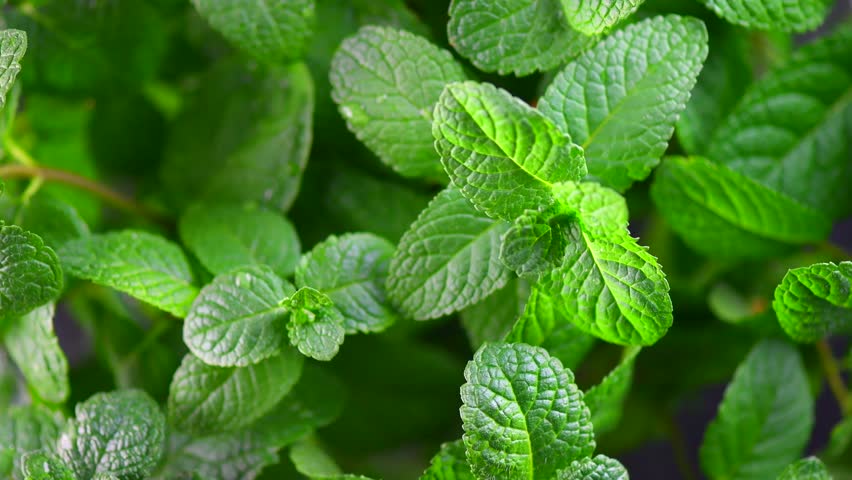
(316, 325)
(271, 31)
(810, 468)
(141, 264)
(33, 346)
(121, 433)
(448, 260)
(592, 17)
(352, 270)
(30, 275)
(784, 15)
(791, 130)
(621, 99)
(722, 213)
(225, 237)
(816, 301)
(449, 464)
(765, 418)
(606, 399)
(523, 415)
(237, 320)
(598, 468)
(513, 36)
(386, 83)
(502, 154)
(13, 45)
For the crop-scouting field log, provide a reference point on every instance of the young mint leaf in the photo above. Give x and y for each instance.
(13, 45)
(30, 274)
(448, 259)
(592, 17)
(722, 213)
(26, 429)
(225, 237)
(501, 153)
(120, 433)
(624, 121)
(449, 464)
(141, 264)
(816, 301)
(386, 83)
(598, 209)
(271, 32)
(311, 460)
(523, 415)
(33, 346)
(606, 399)
(237, 320)
(40, 466)
(55, 221)
(352, 270)
(536, 243)
(206, 399)
(316, 325)
(810, 468)
(490, 319)
(513, 36)
(598, 468)
(790, 131)
(765, 418)
(787, 16)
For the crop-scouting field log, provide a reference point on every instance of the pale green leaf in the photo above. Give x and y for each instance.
(816, 301)
(140, 264)
(598, 209)
(13, 44)
(316, 325)
(30, 275)
(26, 429)
(606, 399)
(501, 153)
(624, 120)
(386, 83)
(40, 466)
(523, 415)
(592, 17)
(33, 346)
(311, 460)
(449, 464)
(810, 468)
(765, 418)
(448, 259)
(490, 319)
(597, 468)
(784, 15)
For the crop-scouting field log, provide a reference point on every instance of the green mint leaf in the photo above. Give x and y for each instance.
(722, 213)
(606, 399)
(598, 209)
(449, 464)
(816, 301)
(40, 466)
(140, 264)
(788, 131)
(545, 323)
(13, 45)
(33, 346)
(222, 456)
(386, 83)
(810, 468)
(352, 270)
(31, 275)
(787, 16)
(513, 36)
(26, 429)
(121, 433)
(207, 399)
(597, 16)
(311, 460)
(225, 237)
(490, 319)
(448, 259)
(237, 319)
(624, 122)
(501, 153)
(765, 418)
(523, 415)
(316, 325)
(269, 31)
(55, 221)
(535, 244)
(598, 468)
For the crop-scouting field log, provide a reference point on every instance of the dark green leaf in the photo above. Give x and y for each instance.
(816, 301)
(30, 274)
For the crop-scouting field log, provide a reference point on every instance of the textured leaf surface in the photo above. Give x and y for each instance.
(141, 264)
(121, 433)
(448, 260)
(271, 31)
(523, 415)
(316, 325)
(597, 16)
(40, 466)
(513, 36)
(33, 346)
(624, 121)
(386, 83)
(791, 130)
(26, 429)
(765, 418)
(30, 274)
(237, 320)
(816, 301)
(225, 237)
(787, 16)
(535, 244)
(606, 399)
(810, 468)
(600, 210)
(722, 213)
(13, 44)
(207, 399)
(597, 468)
(352, 270)
(449, 464)
(501, 153)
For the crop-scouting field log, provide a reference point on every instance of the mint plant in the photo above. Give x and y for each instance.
(461, 240)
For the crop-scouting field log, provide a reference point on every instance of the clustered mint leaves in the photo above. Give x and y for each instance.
(257, 298)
